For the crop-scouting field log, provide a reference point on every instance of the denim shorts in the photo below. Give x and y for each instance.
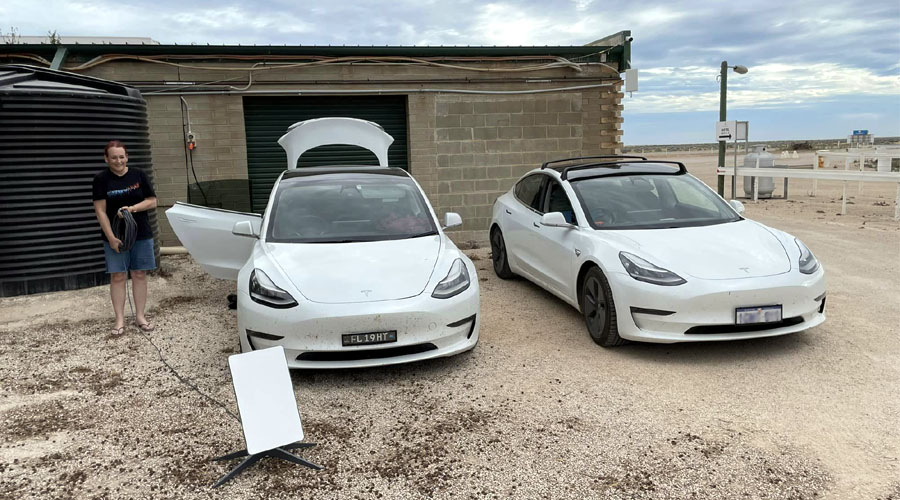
(139, 258)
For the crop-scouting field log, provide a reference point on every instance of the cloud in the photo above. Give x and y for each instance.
(800, 53)
(692, 88)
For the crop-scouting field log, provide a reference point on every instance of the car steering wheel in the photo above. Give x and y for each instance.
(306, 226)
(603, 216)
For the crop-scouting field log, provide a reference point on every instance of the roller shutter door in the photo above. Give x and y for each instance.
(267, 118)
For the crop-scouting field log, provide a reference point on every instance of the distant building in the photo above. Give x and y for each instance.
(72, 40)
(467, 121)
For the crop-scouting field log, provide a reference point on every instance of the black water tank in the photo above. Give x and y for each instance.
(53, 128)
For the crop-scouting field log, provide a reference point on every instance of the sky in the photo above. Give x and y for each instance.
(817, 69)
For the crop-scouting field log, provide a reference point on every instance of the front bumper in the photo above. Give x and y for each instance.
(311, 332)
(704, 310)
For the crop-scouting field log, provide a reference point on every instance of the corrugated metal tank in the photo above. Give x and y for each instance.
(53, 128)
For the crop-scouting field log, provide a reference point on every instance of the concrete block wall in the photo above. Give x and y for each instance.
(484, 143)
(464, 149)
(217, 122)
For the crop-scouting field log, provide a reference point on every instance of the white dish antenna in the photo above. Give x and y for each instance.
(269, 415)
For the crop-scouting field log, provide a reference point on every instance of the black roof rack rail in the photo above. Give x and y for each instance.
(565, 173)
(601, 157)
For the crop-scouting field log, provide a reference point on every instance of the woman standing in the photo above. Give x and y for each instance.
(116, 189)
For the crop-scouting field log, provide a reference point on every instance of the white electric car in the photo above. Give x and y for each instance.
(347, 266)
(648, 252)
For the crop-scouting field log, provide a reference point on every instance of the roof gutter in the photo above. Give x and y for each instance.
(374, 91)
(621, 47)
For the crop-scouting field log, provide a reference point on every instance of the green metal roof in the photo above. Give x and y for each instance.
(615, 54)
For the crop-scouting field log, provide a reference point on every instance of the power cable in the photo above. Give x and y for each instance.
(189, 151)
(181, 378)
(125, 229)
(191, 156)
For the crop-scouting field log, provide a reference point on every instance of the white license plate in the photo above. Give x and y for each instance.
(759, 314)
(349, 339)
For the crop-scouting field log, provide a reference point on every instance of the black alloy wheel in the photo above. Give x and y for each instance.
(599, 310)
(498, 255)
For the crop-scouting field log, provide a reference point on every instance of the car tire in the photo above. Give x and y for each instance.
(499, 255)
(599, 309)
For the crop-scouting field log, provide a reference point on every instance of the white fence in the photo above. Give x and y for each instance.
(822, 174)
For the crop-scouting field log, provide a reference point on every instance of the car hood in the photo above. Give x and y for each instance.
(341, 273)
(743, 249)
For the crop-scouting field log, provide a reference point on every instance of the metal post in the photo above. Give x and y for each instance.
(722, 82)
(862, 163)
(897, 205)
(753, 183)
(844, 195)
(815, 166)
(734, 173)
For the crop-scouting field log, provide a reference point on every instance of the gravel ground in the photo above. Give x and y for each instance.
(535, 411)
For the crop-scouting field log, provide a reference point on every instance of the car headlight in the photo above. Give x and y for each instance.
(264, 291)
(808, 262)
(642, 270)
(456, 282)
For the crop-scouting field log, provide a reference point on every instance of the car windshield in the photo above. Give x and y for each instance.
(343, 208)
(650, 201)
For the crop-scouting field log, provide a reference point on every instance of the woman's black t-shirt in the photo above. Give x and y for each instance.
(125, 191)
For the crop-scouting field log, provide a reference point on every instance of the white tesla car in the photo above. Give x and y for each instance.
(347, 266)
(648, 252)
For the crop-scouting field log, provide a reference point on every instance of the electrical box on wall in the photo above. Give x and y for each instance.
(631, 80)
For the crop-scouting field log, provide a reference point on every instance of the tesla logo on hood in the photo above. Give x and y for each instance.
(745, 269)
(367, 292)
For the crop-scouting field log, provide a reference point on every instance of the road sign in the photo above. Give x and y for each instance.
(726, 131)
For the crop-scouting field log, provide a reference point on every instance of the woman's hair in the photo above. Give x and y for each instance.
(114, 144)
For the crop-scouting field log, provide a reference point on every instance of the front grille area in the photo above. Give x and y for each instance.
(356, 355)
(761, 327)
(463, 322)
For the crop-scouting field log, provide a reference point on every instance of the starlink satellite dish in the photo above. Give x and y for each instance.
(269, 415)
(265, 398)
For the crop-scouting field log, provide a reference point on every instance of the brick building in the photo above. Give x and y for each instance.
(467, 121)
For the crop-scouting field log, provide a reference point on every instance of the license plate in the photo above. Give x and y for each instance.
(759, 314)
(349, 339)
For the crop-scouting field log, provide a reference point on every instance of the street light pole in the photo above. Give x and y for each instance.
(723, 75)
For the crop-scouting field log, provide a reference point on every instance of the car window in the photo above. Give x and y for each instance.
(558, 201)
(347, 208)
(693, 197)
(650, 201)
(528, 191)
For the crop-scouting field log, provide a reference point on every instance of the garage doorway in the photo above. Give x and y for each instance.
(268, 118)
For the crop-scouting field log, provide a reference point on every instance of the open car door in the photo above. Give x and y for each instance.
(206, 233)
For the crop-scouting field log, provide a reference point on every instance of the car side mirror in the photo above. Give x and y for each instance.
(555, 219)
(737, 206)
(452, 219)
(244, 228)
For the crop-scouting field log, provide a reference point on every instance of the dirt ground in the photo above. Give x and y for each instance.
(537, 410)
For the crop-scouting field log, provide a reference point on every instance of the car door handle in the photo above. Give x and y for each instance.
(536, 224)
(507, 211)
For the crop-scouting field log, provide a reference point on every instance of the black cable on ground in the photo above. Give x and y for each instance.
(188, 382)
(131, 227)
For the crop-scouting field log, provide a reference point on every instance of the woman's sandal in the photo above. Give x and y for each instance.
(115, 332)
(145, 327)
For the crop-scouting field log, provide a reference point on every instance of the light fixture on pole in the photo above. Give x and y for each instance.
(723, 79)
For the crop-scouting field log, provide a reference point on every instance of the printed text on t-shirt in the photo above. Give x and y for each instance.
(120, 192)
